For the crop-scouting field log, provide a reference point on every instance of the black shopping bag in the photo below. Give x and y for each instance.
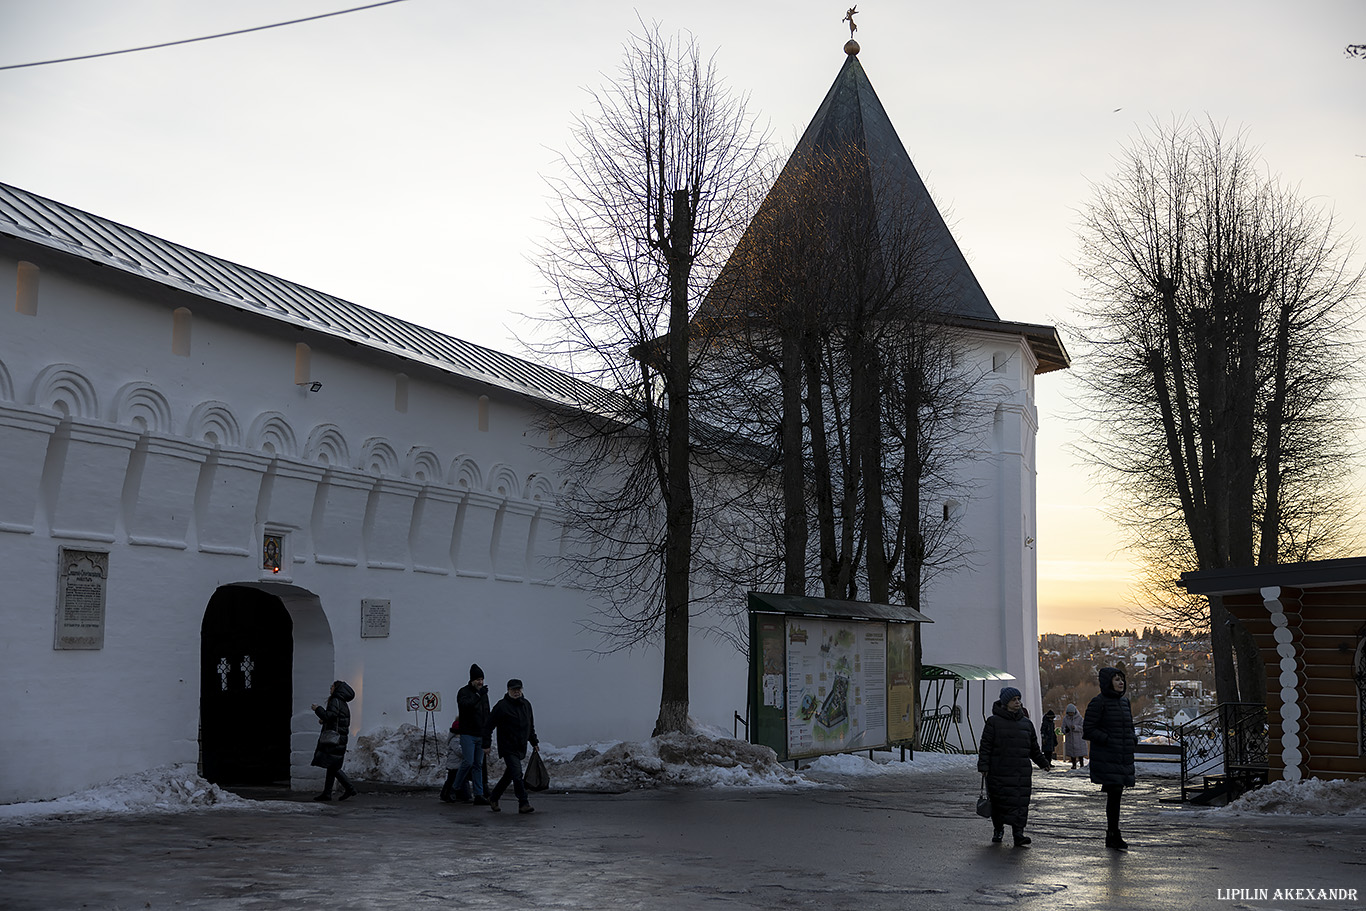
(537, 778)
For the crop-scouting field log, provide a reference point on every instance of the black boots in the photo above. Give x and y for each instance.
(997, 834)
(446, 788)
(1112, 840)
(1021, 840)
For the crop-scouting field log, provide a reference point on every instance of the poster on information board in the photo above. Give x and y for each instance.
(837, 684)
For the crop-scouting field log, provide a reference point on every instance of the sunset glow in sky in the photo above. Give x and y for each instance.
(396, 156)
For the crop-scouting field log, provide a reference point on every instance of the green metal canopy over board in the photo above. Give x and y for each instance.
(829, 676)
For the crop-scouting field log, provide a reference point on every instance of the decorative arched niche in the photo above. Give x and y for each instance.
(142, 407)
(63, 388)
(215, 424)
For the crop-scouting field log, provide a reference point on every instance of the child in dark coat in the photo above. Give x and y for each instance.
(1009, 744)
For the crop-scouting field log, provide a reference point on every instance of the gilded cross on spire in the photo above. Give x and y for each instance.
(849, 17)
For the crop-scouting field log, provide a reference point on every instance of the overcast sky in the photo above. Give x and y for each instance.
(396, 156)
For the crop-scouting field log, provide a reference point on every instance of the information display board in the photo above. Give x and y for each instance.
(822, 683)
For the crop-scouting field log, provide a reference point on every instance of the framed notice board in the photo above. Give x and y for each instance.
(831, 676)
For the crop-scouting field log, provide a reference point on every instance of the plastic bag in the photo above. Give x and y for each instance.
(536, 776)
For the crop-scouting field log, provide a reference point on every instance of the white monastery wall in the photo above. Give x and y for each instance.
(176, 465)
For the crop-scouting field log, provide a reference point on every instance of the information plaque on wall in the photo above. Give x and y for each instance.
(82, 578)
(374, 618)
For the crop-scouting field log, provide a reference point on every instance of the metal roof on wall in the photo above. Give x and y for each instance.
(772, 602)
(71, 231)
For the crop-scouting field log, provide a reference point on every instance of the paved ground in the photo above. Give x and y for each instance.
(866, 849)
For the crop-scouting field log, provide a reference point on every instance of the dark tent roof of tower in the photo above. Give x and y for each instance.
(852, 118)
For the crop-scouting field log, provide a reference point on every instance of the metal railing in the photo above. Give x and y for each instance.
(1229, 740)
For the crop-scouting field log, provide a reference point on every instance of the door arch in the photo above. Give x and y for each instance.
(264, 647)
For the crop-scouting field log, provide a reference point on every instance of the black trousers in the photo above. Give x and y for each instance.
(1112, 795)
(336, 775)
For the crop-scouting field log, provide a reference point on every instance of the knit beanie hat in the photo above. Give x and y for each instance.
(1008, 693)
(476, 672)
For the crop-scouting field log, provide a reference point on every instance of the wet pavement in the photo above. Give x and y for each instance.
(916, 845)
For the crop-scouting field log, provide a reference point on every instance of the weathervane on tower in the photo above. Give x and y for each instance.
(851, 46)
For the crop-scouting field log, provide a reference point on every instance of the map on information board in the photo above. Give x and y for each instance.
(836, 685)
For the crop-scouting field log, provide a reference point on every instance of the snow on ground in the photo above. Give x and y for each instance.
(706, 759)
(167, 789)
(1310, 797)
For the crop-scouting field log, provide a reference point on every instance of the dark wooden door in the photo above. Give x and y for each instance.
(246, 681)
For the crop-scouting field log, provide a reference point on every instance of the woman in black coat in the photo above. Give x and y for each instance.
(1109, 726)
(1048, 734)
(335, 718)
(1009, 743)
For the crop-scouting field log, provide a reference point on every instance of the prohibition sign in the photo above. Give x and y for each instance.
(431, 702)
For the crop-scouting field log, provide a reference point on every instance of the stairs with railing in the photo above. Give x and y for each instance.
(1224, 753)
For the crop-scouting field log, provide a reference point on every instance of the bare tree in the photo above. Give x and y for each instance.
(654, 181)
(836, 309)
(1218, 368)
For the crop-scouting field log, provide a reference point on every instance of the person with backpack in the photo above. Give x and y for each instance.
(467, 734)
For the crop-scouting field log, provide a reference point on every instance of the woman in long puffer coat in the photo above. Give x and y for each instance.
(1009, 744)
(334, 717)
(1073, 744)
(1109, 726)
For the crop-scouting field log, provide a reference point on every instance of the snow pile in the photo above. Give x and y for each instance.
(401, 755)
(670, 760)
(167, 789)
(1308, 797)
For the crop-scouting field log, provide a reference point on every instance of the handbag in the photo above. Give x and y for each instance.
(329, 739)
(983, 801)
(536, 777)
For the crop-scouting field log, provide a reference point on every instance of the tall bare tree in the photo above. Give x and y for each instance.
(655, 179)
(1218, 369)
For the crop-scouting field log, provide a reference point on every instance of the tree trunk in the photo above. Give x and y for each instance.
(865, 436)
(1221, 650)
(1251, 667)
(912, 470)
(820, 472)
(673, 702)
(794, 482)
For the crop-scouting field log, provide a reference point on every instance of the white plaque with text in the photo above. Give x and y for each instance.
(374, 618)
(83, 577)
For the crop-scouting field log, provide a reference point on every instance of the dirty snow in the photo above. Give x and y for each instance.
(167, 789)
(1310, 797)
(708, 758)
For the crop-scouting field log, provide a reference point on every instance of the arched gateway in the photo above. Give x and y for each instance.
(266, 654)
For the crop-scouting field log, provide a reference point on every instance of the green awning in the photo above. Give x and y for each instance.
(963, 672)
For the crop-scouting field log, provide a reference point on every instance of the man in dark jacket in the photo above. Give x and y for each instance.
(1009, 744)
(512, 720)
(1109, 726)
(473, 702)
